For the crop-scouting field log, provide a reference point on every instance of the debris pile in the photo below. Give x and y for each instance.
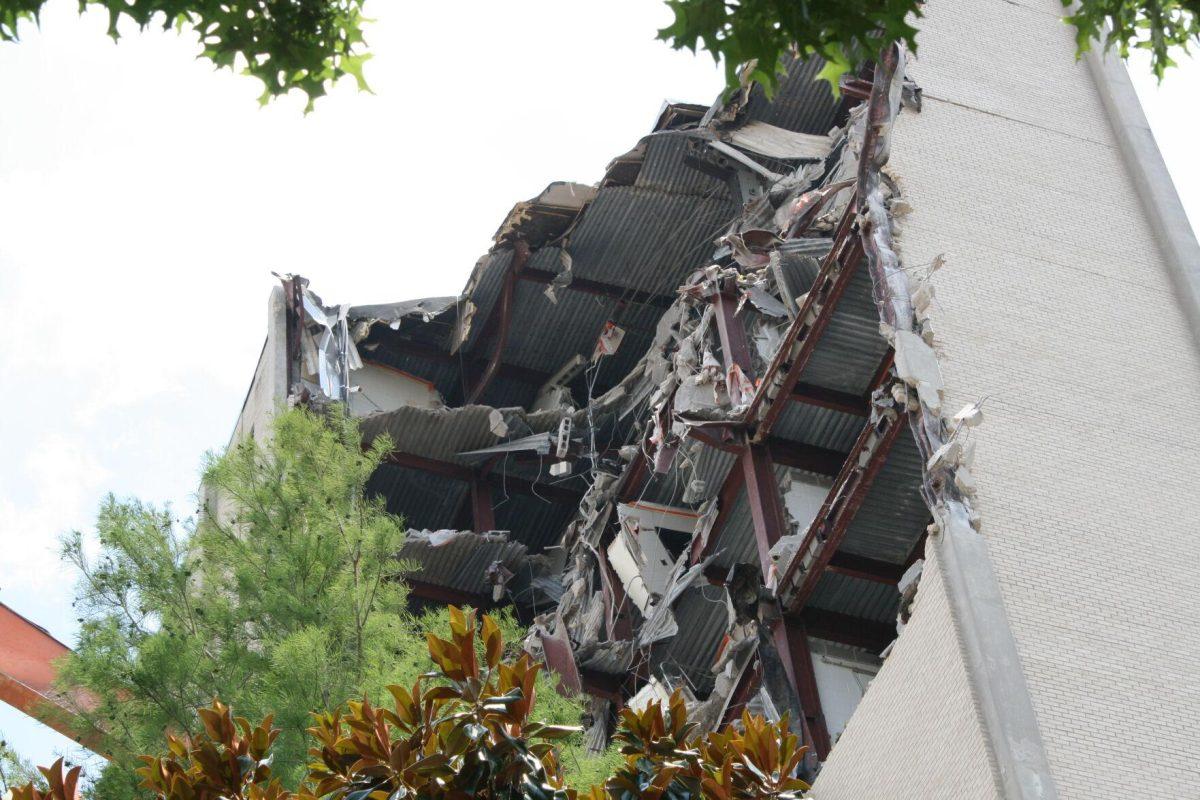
(663, 419)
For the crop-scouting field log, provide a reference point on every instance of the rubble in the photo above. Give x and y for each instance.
(663, 419)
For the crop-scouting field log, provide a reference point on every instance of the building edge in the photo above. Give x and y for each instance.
(994, 666)
(1140, 153)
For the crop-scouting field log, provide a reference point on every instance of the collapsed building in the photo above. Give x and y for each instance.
(661, 420)
(706, 427)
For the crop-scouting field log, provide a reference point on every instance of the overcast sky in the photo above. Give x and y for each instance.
(145, 201)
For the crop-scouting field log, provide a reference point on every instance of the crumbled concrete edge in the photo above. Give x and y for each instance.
(1021, 769)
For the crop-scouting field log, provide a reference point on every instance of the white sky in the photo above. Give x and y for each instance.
(145, 200)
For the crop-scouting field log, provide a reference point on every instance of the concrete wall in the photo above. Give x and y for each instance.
(1056, 304)
(384, 389)
(268, 389)
(917, 731)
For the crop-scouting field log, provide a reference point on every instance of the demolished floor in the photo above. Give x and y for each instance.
(662, 420)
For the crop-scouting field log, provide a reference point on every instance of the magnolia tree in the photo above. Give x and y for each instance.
(467, 729)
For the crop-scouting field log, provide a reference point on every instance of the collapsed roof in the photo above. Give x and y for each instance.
(660, 420)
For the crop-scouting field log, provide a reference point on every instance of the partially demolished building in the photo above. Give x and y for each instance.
(706, 426)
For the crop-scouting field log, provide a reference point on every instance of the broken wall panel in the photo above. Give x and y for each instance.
(666, 169)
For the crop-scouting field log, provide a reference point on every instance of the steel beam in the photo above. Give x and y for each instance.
(635, 476)
(446, 595)
(819, 396)
(805, 331)
(766, 506)
(483, 517)
(734, 346)
(792, 640)
(601, 684)
(599, 289)
(400, 346)
(806, 457)
(460, 472)
(855, 88)
(825, 534)
(865, 569)
(730, 439)
(507, 299)
(881, 373)
(616, 603)
(561, 660)
(746, 687)
(844, 629)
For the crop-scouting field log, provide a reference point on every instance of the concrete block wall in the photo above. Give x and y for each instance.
(917, 731)
(1055, 305)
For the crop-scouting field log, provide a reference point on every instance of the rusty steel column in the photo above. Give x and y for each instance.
(766, 506)
(732, 333)
(794, 637)
(483, 517)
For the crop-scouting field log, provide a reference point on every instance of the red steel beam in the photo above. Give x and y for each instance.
(865, 569)
(755, 674)
(844, 629)
(766, 506)
(825, 534)
(881, 372)
(717, 437)
(855, 88)
(806, 457)
(616, 603)
(635, 476)
(795, 639)
(601, 684)
(447, 595)
(734, 347)
(804, 332)
(28, 669)
(519, 258)
(460, 472)
(393, 343)
(483, 517)
(726, 498)
(600, 289)
(561, 660)
(832, 399)
(446, 469)
(729, 439)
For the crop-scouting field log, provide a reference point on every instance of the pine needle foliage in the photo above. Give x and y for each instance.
(16, 771)
(285, 597)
